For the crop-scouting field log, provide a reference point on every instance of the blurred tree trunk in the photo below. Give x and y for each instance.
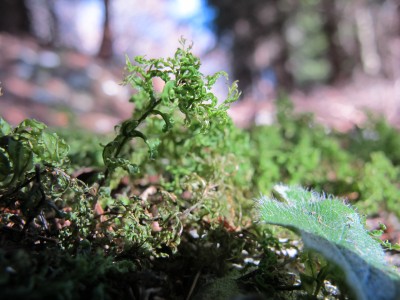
(14, 17)
(242, 51)
(284, 76)
(106, 48)
(236, 21)
(54, 38)
(44, 24)
(398, 14)
(387, 24)
(249, 23)
(334, 53)
(308, 42)
(366, 34)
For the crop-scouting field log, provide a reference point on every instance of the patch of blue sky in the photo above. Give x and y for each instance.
(196, 12)
(198, 16)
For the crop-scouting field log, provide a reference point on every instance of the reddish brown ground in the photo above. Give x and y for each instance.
(64, 87)
(67, 88)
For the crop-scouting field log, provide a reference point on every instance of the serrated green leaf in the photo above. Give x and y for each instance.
(113, 163)
(166, 117)
(5, 167)
(31, 125)
(20, 157)
(335, 230)
(5, 128)
(51, 148)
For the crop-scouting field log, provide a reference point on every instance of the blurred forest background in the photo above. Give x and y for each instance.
(61, 60)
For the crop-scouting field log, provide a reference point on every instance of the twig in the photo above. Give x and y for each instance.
(5, 228)
(196, 278)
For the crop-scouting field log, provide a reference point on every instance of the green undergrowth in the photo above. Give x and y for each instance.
(164, 207)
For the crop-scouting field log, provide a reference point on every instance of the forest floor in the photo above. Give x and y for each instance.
(68, 88)
(65, 87)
